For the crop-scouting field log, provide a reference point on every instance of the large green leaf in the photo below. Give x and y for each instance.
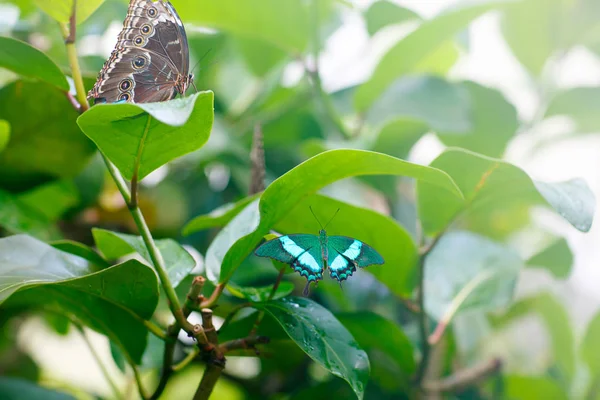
(491, 186)
(112, 301)
(556, 319)
(532, 388)
(34, 211)
(283, 23)
(417, 46)
(579, 105)
(383, 13)
(465, 271)
(260, 56)
(258, 294)
(16, 388)
(152, 133)
(45, 141)
(381, 336)
(61, 10)
(235, 242)
(492, 118)
(4, 134)
(218, 217)
(532, 28)
(28, 61)
(113, 245)
(382, 233)
(557, 258)
(442, 105)
(316, 331)
(590, 346)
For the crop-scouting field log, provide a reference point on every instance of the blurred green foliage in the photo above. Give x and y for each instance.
(66, 234)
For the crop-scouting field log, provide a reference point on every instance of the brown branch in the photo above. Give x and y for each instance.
(464, 378)
(194, 298)
(257, 159)
(248, 343)
(214, 357)
(70, 39)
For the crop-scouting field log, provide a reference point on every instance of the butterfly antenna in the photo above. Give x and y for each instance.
(338, 210)
(314, 215)
(194, 85)
(201, 59)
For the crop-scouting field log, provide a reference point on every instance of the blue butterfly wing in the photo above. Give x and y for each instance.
(345, 254)
(302, 252)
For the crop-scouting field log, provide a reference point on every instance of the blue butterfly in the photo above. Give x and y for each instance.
(310, 255)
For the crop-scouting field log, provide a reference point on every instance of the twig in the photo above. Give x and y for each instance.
(464, 378)
(188, 359)
(261, 313)
(215, 358)
(96, 356)
(244, 344)
(257, 158)
(194, 298)
(213, 297)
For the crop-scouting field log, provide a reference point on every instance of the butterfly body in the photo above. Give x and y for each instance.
(150, 62)
(311, 255)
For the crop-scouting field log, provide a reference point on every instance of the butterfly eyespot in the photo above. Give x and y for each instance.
(146, 29)
(138, 41)
(125, 84)
(124, 97)
(139, 62)
(152, 12)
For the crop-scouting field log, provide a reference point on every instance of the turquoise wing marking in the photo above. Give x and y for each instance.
(301, 252)
(346, 254)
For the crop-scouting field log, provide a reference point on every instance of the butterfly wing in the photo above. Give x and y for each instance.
(301, 252)
(346, 253)
(150, 61)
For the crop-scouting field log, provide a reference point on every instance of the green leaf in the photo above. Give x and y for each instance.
(375, 333)
(493, 122)
(29, 62)
(491, 186)
(35, 211)
(532, 388)
(45, 141)
(235, 242)
(465, 271)
(590, 346)
(81, 250)
(316, 331)
(435, 101)
(556, 319)
(397, 137)
(578, 104)
(218, 217)
(383, 13)
(4, 134)
(152, 133)
(382, 233)
(282, 23)
(114, 245)
(557, 258)
(417, 46)
(112, 301)
(16, 388)
(61, 10)
(258, 294)
(532, 28)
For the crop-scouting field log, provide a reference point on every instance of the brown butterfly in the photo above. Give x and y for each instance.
(150, 62)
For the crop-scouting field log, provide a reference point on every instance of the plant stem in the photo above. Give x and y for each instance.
(188, 359)
(464, 378)
(261, 313)
(214, 296)
(133, 203)
(208, 382)
(96, 356)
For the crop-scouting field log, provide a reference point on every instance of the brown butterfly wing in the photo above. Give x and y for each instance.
(141, 68)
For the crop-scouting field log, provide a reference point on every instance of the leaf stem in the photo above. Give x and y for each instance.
(187, 360)
(208, 303)
(69, 35)
(133, 203)
(261, 313)
(96, 356)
